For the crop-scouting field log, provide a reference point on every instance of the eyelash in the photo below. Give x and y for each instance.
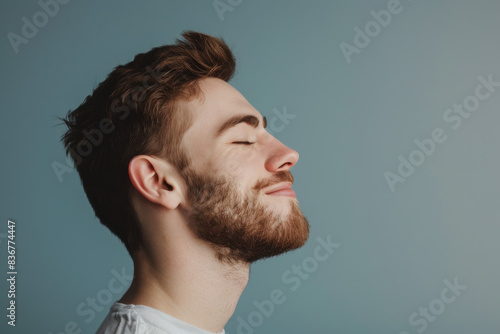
(243, 142)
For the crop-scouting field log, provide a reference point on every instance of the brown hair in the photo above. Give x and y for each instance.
(137, 110)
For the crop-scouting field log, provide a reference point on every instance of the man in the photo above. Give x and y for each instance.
(178, 164)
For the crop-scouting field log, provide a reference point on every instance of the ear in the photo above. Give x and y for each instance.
(156, 180)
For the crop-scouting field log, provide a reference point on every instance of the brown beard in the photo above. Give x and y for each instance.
(238, 227)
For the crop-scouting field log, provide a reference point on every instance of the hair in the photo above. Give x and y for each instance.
(138, 110)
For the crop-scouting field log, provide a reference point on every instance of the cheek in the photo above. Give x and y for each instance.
(243, 169)
(245, 158)
(202, 157)
(241, 165)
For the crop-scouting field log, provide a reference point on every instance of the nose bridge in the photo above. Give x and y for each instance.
(279, 156)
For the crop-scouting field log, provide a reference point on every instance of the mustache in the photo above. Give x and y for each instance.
(282, 176)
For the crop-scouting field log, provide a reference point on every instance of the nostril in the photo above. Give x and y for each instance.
(286, 163)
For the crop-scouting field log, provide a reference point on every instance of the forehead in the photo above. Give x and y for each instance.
(220, 101)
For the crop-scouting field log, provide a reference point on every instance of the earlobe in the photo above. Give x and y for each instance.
(155, 180)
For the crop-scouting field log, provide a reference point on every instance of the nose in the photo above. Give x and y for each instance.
(281, 157)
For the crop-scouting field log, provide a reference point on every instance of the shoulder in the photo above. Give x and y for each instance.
(141, 319)
(123, 319)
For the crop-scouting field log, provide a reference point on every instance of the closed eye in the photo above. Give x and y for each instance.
(243, 142)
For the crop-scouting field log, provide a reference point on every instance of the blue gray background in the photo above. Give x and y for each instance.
(352, 122)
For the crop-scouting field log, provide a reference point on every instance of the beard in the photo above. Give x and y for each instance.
(239, 227)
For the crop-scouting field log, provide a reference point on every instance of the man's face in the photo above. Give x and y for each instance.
(233, 176)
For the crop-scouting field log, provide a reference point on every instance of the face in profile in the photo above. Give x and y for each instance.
(231, 177)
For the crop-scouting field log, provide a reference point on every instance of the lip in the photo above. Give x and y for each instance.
(281, 189)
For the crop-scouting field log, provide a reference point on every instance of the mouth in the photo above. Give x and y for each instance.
(281, 189)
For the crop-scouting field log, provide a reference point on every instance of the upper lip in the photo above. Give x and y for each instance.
(279, 186)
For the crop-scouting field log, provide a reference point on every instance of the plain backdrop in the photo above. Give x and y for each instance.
(363, 89)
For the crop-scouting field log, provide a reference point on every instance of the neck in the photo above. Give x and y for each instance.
(185, 280)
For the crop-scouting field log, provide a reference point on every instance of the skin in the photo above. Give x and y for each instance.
(200, 279)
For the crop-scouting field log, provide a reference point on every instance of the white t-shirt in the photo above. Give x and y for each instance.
(139, 319)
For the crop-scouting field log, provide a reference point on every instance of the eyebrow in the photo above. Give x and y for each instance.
(235, 120)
